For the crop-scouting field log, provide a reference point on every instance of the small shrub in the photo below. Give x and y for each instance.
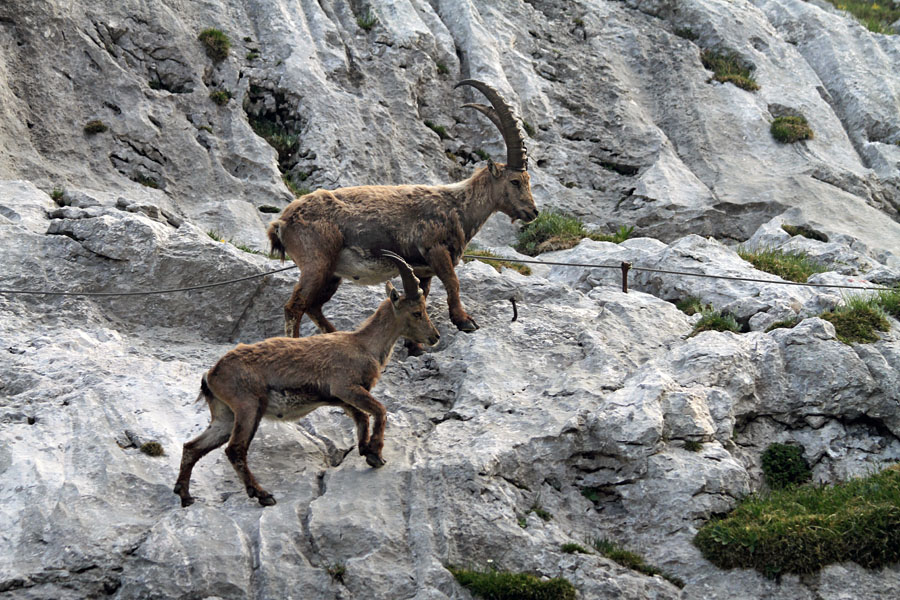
(268, 209)
(497, 264)
(790, 266)
(786, 324)
(57, 195)
(442, 68)
(790, 129)
(631, 560)
(482, 154)
(367, 21)
(803, 528)
(523, 522)
(727, 67)
(152, 449)
(591, 493)
(337, 572)
(95, 126)
(713, 320)
(858, 319)
(220, 97)
(805, 232)
(571, 548)
(693, 445)
(438, 129)
(784, 465)
(537, 509)
(216, 43)
(503, 585)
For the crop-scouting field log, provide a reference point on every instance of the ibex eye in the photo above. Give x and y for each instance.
(516, 182)
(417, 315)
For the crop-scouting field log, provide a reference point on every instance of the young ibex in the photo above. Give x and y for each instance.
(335, 234)
(288, 378)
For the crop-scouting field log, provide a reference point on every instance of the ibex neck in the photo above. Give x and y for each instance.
(379, 333)
(476, 202)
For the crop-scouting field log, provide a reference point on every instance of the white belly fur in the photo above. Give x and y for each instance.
(359, 267)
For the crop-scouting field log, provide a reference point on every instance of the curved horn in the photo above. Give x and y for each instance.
(502, 116)
(410, 281)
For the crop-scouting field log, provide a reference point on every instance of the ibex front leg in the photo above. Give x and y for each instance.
(439, 260)
(359, 398)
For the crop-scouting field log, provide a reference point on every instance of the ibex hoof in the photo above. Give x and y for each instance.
(267, 500)
(374, 461)
(186, 499)
(468, 326)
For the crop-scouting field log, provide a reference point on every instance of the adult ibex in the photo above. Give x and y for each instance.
(335, 234)
(288, 378)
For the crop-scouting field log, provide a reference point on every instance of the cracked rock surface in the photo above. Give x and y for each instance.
(590, 388)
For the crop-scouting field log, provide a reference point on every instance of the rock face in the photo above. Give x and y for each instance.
(589, 390)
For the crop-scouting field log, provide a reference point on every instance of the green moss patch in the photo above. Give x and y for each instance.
(632, 560)
(790, 266)
(790, 129)
(784, 465)
(728, 67)
(804, 528)
(152, 449)
(502, 585)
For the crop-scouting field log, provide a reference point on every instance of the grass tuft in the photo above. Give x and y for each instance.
(497, 264)
(572, 548)
(786, 324)
(95, 126)
(284, 142)
(367, 21)
(876, 15)
(295, 189)
(337, 572)
(152, 449)
(503, 585)
(216, 43)
(790, 266)
(713, 320)
(442, 68)
(889, 300)
(529, 129)
(556, 231)
(784, 465)
(220, 97)
(692, 305)
(728, 67)
(539, 510)
(857, 319)
(57, 195)
(803, 528)
(438, 129)
(790, 129)
(632, 560)
(693, 445)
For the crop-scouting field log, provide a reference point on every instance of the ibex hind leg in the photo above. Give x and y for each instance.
(216, 434)
(314, 279)
(315, 310)
(246, 420)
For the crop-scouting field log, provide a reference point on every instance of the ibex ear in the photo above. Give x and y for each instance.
(493, 168)
(393, 294)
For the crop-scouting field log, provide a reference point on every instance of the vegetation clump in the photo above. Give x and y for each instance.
(556, 231)
(284, 141)
(804, 231)
(802, 528)
(889, 301)
(790, 266)
(713, 320)
(540, 511)
(145, 181)
(784, 465)
(573, 548)
(785, 324)
(268, 209)
(789, 129)
(693, 445)
(727, 67)
(295, 189)
(220, 97)
(692, 305)
(337, 572)
(95, 126)
(367, 21)
(216, 43)
(503, 585)
(876, 15)
(632, 560)
(57, 195)
(152, 449)
(857, 319)
(438, 129)
(498, 264)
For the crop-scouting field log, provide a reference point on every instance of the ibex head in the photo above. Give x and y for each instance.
(409, 309)
(512, 179)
